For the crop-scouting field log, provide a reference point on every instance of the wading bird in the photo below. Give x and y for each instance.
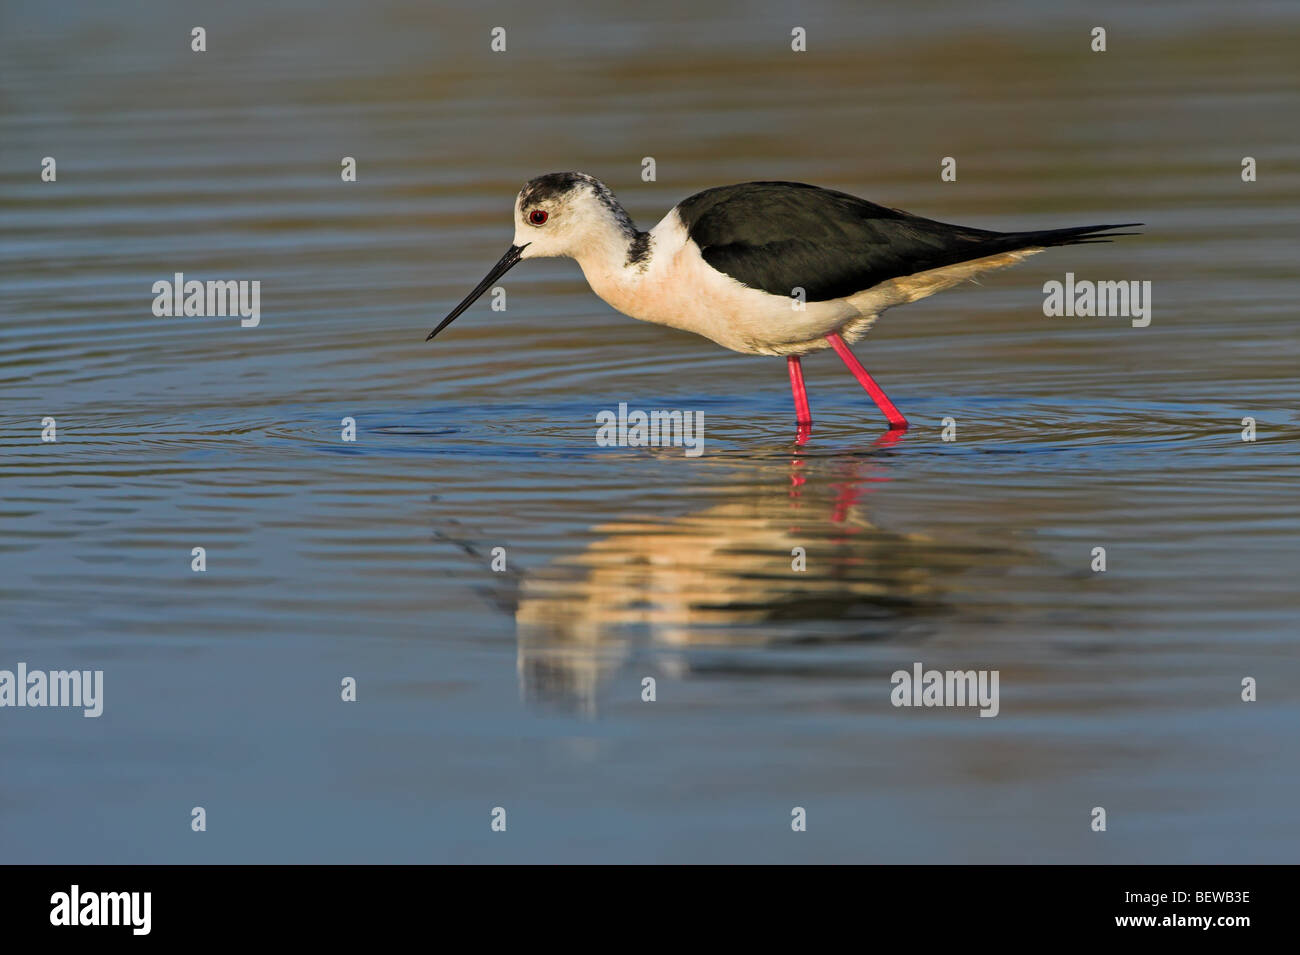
(762, 268)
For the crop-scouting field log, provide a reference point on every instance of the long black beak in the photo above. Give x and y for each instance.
(508, 262)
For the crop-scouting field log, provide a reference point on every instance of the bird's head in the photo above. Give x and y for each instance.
(561, 213)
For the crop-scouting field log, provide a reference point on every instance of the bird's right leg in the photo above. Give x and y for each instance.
(894, 416)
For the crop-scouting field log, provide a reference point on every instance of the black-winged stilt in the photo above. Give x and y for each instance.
(762, 268)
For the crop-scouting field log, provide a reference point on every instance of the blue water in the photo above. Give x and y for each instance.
(522, 688)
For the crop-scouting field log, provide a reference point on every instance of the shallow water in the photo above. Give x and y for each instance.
(522, 689)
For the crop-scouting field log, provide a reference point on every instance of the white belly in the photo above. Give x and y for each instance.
(679, 289)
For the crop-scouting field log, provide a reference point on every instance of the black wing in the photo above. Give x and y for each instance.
(778, 236)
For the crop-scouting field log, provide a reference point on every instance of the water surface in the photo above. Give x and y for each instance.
(522, 689)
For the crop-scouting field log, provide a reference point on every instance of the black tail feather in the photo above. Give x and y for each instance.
(1079, 235)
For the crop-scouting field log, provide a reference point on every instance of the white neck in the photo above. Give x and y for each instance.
(609, 260)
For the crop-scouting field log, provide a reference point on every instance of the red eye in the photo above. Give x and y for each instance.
(537, 217)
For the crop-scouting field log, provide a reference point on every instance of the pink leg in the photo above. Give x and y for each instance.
(896, 419)
(802, 414)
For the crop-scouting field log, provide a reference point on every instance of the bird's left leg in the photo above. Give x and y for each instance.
(896, 419)
(801, 411)
(802, 414)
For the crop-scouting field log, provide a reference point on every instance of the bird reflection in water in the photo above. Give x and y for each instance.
(726, 576)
